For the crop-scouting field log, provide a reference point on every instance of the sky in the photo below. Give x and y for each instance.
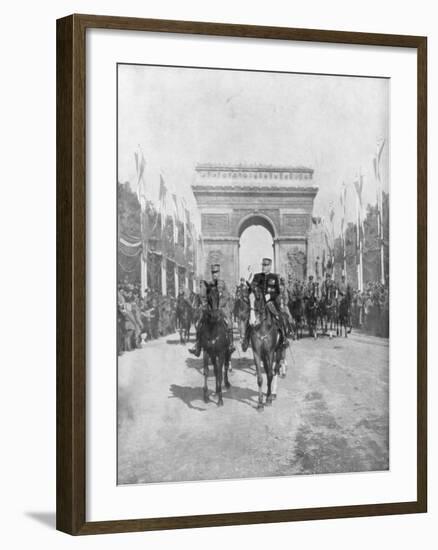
(183, 116)
(250, 256)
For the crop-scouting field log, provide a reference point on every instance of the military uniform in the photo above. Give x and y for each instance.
(284, 305)
(269, 286)
(328, 289)
(311, 289)
(224, 306)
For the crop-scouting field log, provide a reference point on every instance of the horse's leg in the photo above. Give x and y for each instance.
(268, 364)
(205, 360)
(242, 330)
(218, 366)
(258, 366)
(283, 364)
(227, 367)
(274, 386)
(279, 368)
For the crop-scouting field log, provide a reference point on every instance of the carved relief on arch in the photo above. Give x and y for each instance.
(296, 263)
(215, 223)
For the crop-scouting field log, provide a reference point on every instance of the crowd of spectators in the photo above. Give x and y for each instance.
(140, 319)
(370, 309)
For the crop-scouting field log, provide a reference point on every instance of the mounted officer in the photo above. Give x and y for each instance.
(311, 289)
(328, 288)
(269, 285)
(242, 292)
(224, 306)
(284, 303)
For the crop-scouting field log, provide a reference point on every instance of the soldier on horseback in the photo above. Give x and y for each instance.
(311, 289)
(269, 286)
(345, 296)
(344, 288)
(328, 288)
(224, 306)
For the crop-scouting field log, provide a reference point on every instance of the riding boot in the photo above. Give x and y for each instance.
(196, 350)
(231, 347)
(284, 342)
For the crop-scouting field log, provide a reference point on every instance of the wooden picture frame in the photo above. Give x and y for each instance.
(71, 273)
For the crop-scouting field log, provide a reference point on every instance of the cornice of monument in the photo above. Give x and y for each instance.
(265, 189)
(238, 178)
(242, 167)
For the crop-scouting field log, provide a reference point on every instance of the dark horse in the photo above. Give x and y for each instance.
(214, 342)
(328, 312)
(196, 309)
(264, 336)
(344, 317)
(296, 308)
(184, 314)
(241, 313)
(312, 315)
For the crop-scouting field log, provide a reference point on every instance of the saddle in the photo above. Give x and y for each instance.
(260, 307)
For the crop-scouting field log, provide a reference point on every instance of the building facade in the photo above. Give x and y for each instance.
(233, 197)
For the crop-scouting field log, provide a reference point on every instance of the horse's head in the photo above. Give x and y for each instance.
(213, 298)
(256, 291)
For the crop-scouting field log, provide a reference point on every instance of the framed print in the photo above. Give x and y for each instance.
(241, 334)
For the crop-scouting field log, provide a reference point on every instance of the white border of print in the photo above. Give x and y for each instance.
(106, 500)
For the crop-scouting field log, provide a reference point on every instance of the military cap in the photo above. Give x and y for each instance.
(267, 261)
(215, 268)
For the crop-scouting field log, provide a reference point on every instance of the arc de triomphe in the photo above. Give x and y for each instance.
(233, 197)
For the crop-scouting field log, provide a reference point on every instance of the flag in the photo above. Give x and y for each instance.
(343, 200)
(377, 159)
(379, 200)
(378, 176)
(358, 185)
(175, 216)
(163, 209)
(176, 207)
(327, 233)
(331, 212)
(140, 164)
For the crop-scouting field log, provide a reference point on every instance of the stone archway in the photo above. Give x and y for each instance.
(232, 197)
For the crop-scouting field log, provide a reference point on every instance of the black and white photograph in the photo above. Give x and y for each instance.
(253, 276)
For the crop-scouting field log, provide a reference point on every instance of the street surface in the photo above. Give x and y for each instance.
(331, 413)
